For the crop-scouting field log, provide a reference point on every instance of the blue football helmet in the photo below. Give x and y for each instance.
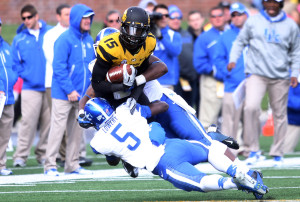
(98, 111)
(104, 32)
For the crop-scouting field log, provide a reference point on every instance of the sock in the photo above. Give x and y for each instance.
(215, 183)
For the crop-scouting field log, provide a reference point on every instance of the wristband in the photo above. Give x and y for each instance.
(87, 96)
(140, 80)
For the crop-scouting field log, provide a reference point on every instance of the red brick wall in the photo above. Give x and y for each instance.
(10, 9)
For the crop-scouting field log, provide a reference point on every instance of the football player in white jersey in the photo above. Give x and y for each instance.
(128, 136)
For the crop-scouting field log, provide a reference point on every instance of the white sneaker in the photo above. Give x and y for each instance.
(81, 171)
(52, 172)
(277, 161)
(254, 157)
(5, 171)
(19, 163)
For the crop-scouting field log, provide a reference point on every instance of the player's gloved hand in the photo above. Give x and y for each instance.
(128, 79)
(131, 104)
(83, 122)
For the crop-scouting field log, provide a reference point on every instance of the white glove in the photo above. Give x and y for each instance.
(131, 104)
(128, 80)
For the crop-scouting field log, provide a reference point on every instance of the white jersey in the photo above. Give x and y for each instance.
(127, 136)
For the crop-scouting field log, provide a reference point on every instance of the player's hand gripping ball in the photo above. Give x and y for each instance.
(123, 73)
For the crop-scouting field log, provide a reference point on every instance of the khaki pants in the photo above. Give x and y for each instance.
(35, 111)
(6, 123)
(210, 104)
(63, 118)
(231, 116)
(62, 148)
(292, 138)
(256, 87)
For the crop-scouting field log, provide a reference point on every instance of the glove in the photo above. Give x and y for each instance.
(131, 104)
(83, 122)
(128, 80)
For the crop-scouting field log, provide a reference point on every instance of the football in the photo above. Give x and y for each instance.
(115, 74)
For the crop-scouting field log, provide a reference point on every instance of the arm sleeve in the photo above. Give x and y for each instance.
(201, 58)
(62, 49)
(241, 41)
(172, 42)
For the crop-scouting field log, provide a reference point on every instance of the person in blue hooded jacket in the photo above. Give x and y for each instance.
(73, 51)
(8, 77)
(30, 62)
(204, 50)
(231, 114)
(168, 47)
(292, 136)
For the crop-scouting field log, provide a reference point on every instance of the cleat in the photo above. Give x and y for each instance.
(132, 171)
(251, 182)
(214, 132)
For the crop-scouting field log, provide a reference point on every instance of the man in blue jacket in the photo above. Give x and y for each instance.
(168, 47)
(73, 51)
(292, 136)
(231, 114)
(8, 77)
(30, 62)
(204, 50)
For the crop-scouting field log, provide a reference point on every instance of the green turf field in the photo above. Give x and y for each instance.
(284, 184)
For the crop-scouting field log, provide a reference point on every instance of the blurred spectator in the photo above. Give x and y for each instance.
(293, 11)
(226, 8)
(274, 46)
(113, 19)
(231, 114)
(30, 62)
(168, 47)
(188, 74)
(292, 136)
(148, 5)
(8, 77)
(73, 50)
(211, 87)
(62, 16)
(195, 28)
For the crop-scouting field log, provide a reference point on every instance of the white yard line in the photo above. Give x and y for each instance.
(120, 174)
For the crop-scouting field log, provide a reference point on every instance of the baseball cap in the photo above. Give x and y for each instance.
(238, 7)
(88, 14)
(174, 9)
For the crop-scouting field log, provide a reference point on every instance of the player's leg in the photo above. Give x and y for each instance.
(246, 179)
(184, 125)
(176, 166)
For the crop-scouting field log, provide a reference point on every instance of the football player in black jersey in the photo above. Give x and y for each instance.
(133, 45)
